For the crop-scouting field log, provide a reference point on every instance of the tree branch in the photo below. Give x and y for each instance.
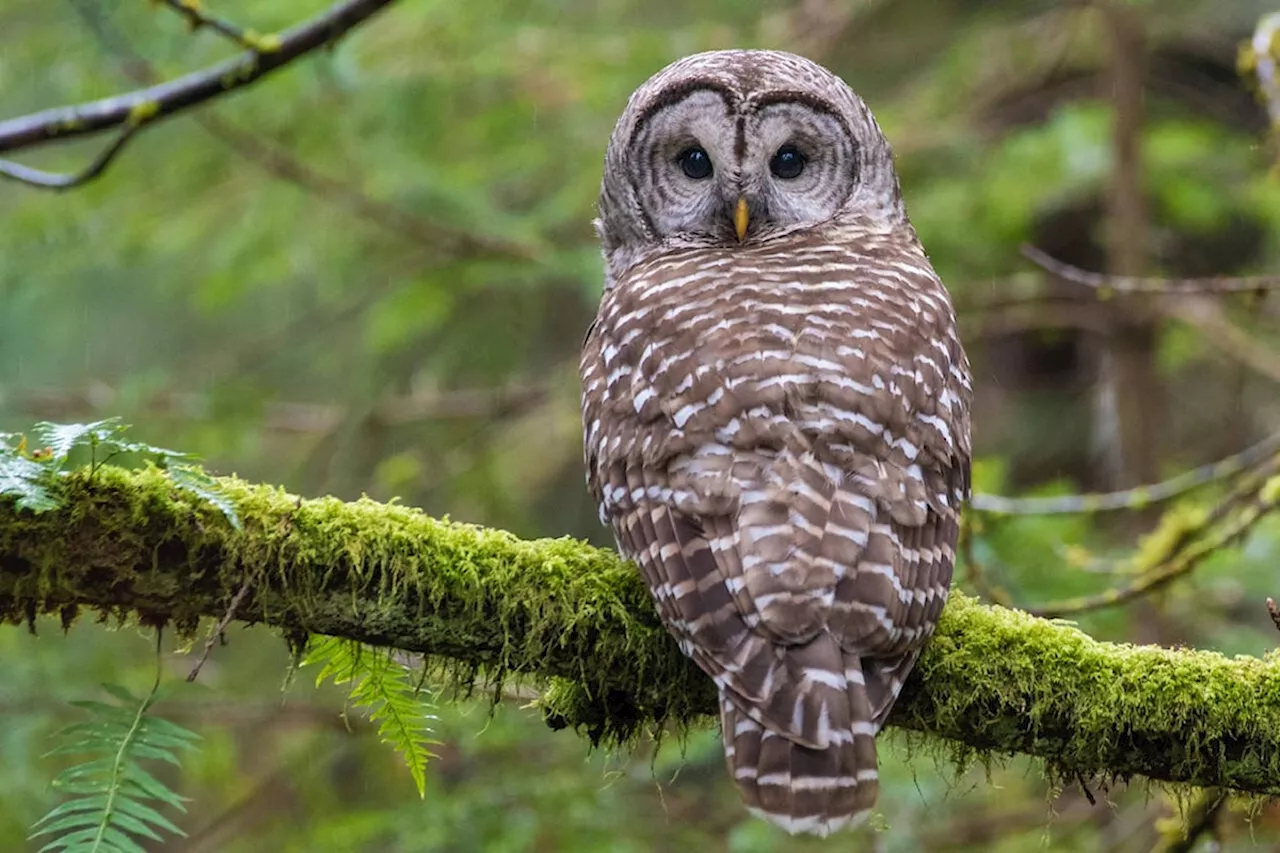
(58, 181)
(199, 17)
(279, 162)
(482, 603)
(163, 100)
(1160, 286)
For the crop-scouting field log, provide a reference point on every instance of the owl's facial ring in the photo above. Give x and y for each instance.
(710, 163)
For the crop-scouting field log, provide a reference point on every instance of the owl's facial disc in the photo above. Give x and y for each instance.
(714, 166)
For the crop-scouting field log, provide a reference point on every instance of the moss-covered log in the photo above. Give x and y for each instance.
(129, 544)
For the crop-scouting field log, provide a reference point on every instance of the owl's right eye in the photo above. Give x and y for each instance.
(695, 163)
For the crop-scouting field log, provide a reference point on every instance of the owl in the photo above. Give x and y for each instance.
(776, 413)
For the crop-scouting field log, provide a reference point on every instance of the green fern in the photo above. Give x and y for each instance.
(383, 687)
(31, 474)
(111, 794)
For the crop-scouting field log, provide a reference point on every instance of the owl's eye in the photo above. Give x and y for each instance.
(787, 163)
(695, 163)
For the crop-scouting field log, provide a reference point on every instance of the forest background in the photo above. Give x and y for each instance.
(371, 274)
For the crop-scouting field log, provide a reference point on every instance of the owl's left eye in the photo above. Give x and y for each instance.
(787, 163)
(695, 163)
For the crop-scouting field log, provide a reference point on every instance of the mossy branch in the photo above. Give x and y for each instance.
(485, 604)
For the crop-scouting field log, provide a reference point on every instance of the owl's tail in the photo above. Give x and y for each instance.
(800, 788)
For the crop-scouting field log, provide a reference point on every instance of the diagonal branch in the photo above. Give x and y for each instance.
(1136, 284)
(166, 99)
(1138, 497)
(278, 162)
(484, 604)
(1208, 318)
(199, 17)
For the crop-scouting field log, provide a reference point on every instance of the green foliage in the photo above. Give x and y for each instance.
(32, 474)
(382, 687)
(112, 798)
(203, 290)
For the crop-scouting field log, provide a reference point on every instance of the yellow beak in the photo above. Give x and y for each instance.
(741, 218)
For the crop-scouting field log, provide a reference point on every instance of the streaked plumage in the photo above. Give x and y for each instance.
(777, 427)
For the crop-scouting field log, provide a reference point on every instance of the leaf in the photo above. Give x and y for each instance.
(61, 439)
(384, 688)
(29, 475)
(193, 479)
(108, 808)
(121, 694)
(28, 480)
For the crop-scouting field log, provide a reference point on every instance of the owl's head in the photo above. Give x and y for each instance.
(736, 146)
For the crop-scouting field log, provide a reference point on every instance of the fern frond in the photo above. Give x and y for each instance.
(32, 474)
(192, 478)
(385, 689)
(111, 794)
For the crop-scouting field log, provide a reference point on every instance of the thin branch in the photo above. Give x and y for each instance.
(1208, 318)
(484, 604)
(161, 101)
(1175, 556)
(199, 17)
(1134, 284)
(60, 181)
(216, 634)
(280, 163)
(1139, 497)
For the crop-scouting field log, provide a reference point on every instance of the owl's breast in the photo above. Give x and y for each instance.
(819, 354)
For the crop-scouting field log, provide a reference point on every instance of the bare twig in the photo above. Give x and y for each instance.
(198, 17)
(1207, 317)
(1138, 497)
(59, 181)
(216, 634)
(167, 99)
(278, 162)
(1135, 284)
(1228, 521)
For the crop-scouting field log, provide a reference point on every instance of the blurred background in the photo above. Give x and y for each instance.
(372, 273)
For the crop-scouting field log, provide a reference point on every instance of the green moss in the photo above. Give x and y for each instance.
(1002, 680)
(142, 112)
(482, 604)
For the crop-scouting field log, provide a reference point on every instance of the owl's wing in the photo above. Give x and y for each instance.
(694, 571)
(900, 585)
(742, 590)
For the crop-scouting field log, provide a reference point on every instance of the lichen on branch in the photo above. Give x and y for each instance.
(483, 604)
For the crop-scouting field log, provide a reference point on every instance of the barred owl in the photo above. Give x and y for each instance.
(776, 413)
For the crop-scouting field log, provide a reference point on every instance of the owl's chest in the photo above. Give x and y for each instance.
(814, 356)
